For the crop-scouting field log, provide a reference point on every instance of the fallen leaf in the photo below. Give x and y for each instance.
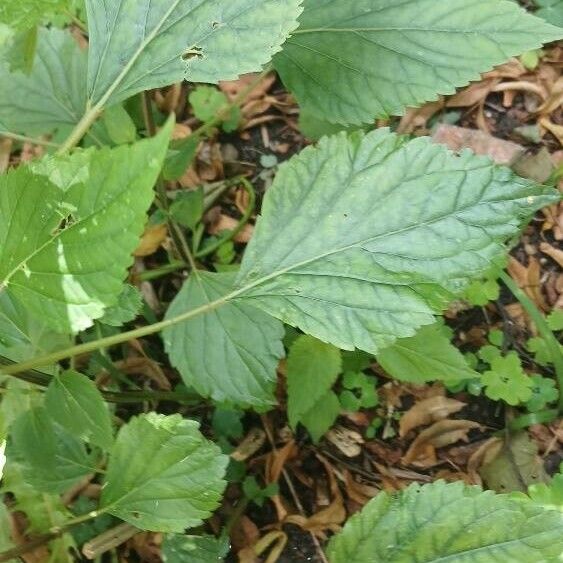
(486, 452)
(151, 240)
(346, 440)
(427, 411)
(553, 252)
(515, 467)
(252, 442)
(422, 451)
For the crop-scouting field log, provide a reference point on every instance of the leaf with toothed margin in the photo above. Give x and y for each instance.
(449, 522)
(364, 239)
(231, 353)
(163, 475)
(138, 45)
(350, 62)
(69, 225)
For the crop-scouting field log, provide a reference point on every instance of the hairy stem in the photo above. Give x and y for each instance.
(80, 130)
(543, 328)
(24, 139)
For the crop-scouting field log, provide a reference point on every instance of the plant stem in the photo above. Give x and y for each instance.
(108, 341)
(543, 328)
(24, 139)
(81, 129)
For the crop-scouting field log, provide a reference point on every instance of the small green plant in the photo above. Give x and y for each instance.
(362, 242)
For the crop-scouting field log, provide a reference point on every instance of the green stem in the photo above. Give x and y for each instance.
(108, 341)
(24, 139)
(543, 328)
(81, 129)
(243, 221)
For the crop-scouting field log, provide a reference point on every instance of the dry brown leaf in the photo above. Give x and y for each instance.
(252, 442)
(458, 138)
(152, 239)
(486, 452)
(142, 365)
(226, 223)
(427, 411)
(244, 534)
(275, 541)
(347, 441)
(277, 459)
(553, 128)
(5, 151)
(232, 88)
(422, 451)
(358, 492)
(415, 118)
(475, 93)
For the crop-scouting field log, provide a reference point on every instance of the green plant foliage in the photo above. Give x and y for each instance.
(50, 262)
(163, 475)
(129, 304)
(73, 401)
(195, 549)
(374, 269)
(542, 350)
(555, 320)
(23, 14)
(360, 391)
(551, 11)
(427, 356)
(119, 125)
(544, 392)
(479, 293)
(53, 95)
(254, 492)
(350, 62)
(230, 354)
(187, 209)
(51, 459)
(548, 495)
(507, 381)
(181, 154)
(448, 522)
(203, 41)
(312, 370)
(208, 102)
(23, 336)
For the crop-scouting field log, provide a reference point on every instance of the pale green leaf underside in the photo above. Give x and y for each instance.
(53, 95)
(163, 475)
(137, 45)
(426, 356)
(363, 240)
(230, 353)
(448, 522)
(352, 61)
(68, 228)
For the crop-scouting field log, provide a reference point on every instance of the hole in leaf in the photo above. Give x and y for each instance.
(193, 52)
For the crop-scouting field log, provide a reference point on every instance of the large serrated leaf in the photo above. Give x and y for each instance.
(163, 475)
(448, 522)
(362, 240)
(53, 95)
(427, 356)
(23, 14)
(352, 61)
(231, 353)
(137, 45)
(69, 225)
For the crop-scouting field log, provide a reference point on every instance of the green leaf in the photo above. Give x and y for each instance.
(312, 370)
(163, 475)
(362, 240)
(52, 460)
(181, 154)
(24, 14)
(195, 549)
(188, 208)
(555, 320)
(448, 522)
(480, 292)
(548, 495)
(352, 61)
(119, 125)
(427, 356)
(544, 391)
(322, 415)
(551, 11)
(129, 304)
(69, 225)
(542, 350)
(136, 46)
(52, 96)
(23, 336)
(73, 401)
(231, 353)
(507, 381)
